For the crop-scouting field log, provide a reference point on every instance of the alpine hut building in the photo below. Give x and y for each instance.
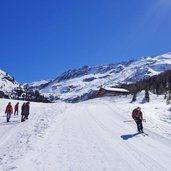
(110, 91)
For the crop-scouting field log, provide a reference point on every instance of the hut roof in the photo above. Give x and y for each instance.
(116, 89)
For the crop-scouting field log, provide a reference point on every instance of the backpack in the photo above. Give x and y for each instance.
(136, 114)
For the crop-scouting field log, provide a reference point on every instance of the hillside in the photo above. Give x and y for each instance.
(7, 83)
(87, 136)
(79, 84)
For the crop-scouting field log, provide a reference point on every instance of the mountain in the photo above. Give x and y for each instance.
(37, 85)
(7, 83)
(9, 88)
(79, 84)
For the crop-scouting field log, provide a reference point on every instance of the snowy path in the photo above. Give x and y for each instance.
(89, 136)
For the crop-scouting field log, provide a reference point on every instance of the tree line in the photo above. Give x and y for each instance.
(20, 93)
(157, 84)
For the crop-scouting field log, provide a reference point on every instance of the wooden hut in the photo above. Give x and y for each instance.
(109, 91)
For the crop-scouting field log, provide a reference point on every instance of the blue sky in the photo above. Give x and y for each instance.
(40, 39)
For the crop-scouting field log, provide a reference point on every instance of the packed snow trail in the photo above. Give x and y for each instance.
(89, 136)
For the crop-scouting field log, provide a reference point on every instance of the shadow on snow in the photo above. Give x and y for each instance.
(128, 136)
(10, 122)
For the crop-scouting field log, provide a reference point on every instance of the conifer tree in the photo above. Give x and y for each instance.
(134, 97)
(147, 97)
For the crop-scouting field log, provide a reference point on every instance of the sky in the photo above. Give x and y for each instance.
(41, 39)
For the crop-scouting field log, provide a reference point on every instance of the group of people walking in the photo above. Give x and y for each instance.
(24, 111)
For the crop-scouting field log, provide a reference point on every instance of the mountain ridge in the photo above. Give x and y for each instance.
(79, 84)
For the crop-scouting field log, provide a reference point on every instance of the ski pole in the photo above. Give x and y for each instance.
(133, 120)
(129, 120)
(144, 120)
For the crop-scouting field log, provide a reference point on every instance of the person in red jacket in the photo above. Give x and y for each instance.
(9, 111)
(138, 117)
(16, 108)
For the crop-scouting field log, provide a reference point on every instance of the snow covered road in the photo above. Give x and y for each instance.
(89, 136)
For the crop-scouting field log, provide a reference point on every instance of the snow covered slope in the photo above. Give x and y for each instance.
(87, 136)
(7, 83)
(37, 85)
(76, 85)
(80, 84)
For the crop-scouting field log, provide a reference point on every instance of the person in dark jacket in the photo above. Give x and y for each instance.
(9, 111)
(16, 109)
(23, 112)
(27, 109)
(138, 117)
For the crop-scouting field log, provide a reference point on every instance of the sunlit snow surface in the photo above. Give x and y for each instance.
(87, 136)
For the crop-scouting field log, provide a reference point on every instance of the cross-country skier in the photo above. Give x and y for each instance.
(138, 117)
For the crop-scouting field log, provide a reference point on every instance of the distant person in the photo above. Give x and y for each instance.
(27, 109)
(23, 112)
(9, 111)
(16, 109)
(138, 117)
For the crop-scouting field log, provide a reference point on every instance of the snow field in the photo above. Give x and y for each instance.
(87, 136)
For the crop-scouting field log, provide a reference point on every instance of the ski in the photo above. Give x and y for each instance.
(144, 134)
(129, 120)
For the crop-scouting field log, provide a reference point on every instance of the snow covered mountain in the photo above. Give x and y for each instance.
(80, 84)
(7, 83)
(37, 85)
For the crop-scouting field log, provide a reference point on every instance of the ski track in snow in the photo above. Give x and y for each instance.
(89, 136)
(137, 153)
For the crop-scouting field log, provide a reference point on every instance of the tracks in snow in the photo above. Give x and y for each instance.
(81, 137)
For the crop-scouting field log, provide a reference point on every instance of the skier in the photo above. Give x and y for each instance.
(9, 111)
(138, 117)
(27, 110)
(23, 112)
(16, 108)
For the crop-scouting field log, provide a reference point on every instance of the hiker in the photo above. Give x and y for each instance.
(9, 111)
(16, 109)
(138, 117)
(23, 112)
(27, 110)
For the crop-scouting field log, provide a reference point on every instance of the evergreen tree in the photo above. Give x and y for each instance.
(134, 97)
(168, 98)
(147, 97)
